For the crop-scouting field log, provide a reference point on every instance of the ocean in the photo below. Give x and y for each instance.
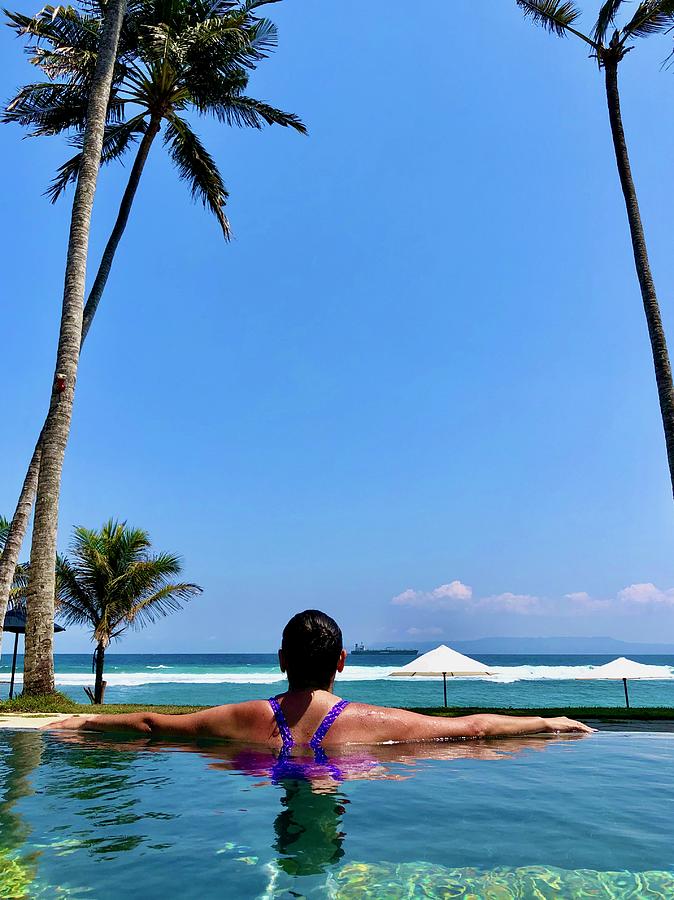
(210, 679)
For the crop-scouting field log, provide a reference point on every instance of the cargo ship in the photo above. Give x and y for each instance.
(361, 648)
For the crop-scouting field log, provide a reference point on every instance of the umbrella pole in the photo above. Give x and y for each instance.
(444, 683)
(11, 681)
(627, 698)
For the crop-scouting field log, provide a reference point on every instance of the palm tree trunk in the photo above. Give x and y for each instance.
(656, 332)
(99, 658)
(39, 648)
(120, 225)
(19, 525)
(17, 530)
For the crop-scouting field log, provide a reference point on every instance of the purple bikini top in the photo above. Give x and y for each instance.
(288, 768)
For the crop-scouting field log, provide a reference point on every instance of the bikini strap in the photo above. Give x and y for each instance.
(326, 724)
(282, 724)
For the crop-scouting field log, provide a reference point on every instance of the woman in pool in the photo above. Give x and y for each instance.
(309, 714)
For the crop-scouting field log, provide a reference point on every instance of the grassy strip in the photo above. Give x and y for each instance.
(60, 703)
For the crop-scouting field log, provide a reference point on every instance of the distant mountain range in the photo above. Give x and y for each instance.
(552, 645)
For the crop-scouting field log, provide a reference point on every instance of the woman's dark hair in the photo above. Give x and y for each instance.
(311, 645)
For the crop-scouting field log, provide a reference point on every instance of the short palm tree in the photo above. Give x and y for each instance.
(112, 581)
(609, 45)
(175, 57)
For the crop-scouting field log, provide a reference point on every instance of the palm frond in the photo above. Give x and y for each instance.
(60, 26)
(250, 5)
(143, 577)
(74, 63)
(553, 15)
(18, 592)
(117, 140)
(197, 167)
(5, 525)
(18, 589)
(49, 108)
(166, 600)
(161, 41)
(264, 37)
(75, 604)
(222, 96)
(244, 112)
(650, 17)
(216, 30)
(605, 19)
(112, 581)
(216, 47)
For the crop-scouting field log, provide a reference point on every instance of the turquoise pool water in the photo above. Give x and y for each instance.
(101, 818)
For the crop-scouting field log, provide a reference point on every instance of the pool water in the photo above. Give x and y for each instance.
(537, 817)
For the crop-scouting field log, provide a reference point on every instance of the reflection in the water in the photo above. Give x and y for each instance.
(308, 828)
(22, 753)
(171, 819)
(105, 791)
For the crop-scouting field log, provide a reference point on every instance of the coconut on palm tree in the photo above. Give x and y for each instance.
(609, 44)
(112, 581)
(175, 57)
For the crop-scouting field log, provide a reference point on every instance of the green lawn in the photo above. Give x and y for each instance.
(59, 703)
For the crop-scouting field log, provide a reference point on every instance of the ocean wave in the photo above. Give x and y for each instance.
(502, 675)
(134, 679)
(509, 674)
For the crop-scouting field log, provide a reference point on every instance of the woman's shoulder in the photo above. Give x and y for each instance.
(371, 715)
(369, 709)
(244, 712)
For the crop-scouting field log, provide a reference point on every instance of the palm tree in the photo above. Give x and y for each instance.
(650, 17)
(111, 581)
(38, 654)
(174, 56)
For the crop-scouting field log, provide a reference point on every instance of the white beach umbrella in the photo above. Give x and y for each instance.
(622, 669)
(443, 661)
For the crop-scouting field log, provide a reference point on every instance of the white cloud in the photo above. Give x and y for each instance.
(578, 597)
(407, 598)
(424, 632)
(586, 601)
(455, 595)
(648, 593)
(446, 596)
(509, 602)
(455, 590)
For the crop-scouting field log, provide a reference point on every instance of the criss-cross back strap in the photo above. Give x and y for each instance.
(326, 724)
(282, 724)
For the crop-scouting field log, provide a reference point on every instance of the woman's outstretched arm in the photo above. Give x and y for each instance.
(402, 725)
(229, 721)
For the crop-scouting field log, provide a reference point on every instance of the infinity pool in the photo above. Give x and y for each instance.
(590, 817)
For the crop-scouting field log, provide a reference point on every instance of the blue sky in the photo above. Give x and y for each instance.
(421, 366)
